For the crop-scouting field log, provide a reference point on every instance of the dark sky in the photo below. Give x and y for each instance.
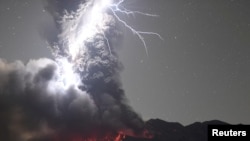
(200, 71)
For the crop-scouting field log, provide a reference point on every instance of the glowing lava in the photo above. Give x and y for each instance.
(79, 137)
(92, 22)
(120, 136)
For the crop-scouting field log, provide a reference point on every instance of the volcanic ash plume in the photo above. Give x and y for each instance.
(76, 96)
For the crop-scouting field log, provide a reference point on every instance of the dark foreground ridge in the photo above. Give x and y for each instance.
(173, 131)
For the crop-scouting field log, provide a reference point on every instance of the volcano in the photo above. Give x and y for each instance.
(155, 130)
(173, 131)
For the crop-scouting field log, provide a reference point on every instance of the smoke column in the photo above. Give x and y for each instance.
(79, 93)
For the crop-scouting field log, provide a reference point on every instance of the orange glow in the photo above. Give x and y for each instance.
(119, 136)
(79, 137)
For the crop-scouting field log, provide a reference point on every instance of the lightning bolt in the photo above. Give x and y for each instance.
(92, 19)
(118, 8)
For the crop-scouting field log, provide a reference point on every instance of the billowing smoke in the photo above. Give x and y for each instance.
(79, 92)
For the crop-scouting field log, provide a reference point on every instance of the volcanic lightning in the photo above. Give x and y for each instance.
(92, 18)
(79, 93)
(91, 25)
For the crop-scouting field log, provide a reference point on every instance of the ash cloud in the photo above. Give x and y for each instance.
(34, 106)
(57, 9)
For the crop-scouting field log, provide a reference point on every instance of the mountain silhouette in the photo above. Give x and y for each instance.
(173, 131)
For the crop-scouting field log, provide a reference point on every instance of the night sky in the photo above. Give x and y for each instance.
(200, 71)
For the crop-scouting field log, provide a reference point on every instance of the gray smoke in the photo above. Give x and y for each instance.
(57, 9)
(34, 107)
